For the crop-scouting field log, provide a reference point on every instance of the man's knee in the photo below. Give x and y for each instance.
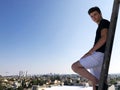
(75, 66)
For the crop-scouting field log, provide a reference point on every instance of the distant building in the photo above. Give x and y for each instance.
(21, 73)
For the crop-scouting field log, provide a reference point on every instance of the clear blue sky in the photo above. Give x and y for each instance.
(47, 36)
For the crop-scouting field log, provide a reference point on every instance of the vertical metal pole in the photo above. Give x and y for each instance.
(109, 44)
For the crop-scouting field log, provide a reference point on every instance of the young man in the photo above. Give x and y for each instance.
(93, 59)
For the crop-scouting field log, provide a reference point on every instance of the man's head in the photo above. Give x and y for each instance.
(95, 14)
(94, 9)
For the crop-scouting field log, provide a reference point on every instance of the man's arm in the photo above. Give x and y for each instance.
(100, 42)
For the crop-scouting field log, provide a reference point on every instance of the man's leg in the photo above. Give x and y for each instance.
(79, 69)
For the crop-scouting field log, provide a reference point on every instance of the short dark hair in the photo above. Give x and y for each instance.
(94, 9)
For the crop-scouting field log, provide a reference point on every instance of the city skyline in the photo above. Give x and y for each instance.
(47, 36)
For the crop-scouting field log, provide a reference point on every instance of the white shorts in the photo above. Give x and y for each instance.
(93, 63)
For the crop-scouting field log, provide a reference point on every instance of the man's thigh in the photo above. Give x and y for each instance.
(92, 61)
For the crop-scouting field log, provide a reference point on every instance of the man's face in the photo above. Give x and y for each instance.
(96, 17)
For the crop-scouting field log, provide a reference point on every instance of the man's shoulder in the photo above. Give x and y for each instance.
(103, 24)
(105, 21)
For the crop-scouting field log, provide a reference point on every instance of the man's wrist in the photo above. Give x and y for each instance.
(91, 51)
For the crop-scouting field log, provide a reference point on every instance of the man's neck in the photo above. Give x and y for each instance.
(99, 21)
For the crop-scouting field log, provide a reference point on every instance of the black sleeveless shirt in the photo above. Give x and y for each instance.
(102, 25)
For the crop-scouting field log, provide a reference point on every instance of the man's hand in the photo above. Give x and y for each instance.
(87, 54)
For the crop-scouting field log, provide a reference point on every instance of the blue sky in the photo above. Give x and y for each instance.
(47, 36)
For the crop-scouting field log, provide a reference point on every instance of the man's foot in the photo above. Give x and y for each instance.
(97, 87)
(105, 87)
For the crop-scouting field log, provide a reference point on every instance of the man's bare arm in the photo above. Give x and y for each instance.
(100, 42)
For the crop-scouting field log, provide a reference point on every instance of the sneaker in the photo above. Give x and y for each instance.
(96, 86)
(105, 87)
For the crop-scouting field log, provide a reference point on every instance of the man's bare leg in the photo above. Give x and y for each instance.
(79, 69)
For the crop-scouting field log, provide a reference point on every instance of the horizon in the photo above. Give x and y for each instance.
(24, 75)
